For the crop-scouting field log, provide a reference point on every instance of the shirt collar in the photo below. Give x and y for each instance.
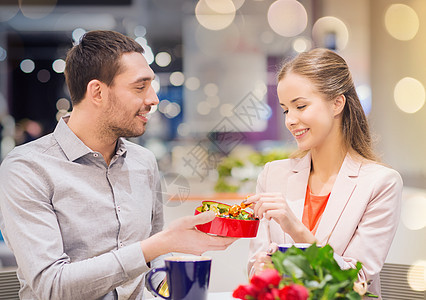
(121, 149)
(73, 147)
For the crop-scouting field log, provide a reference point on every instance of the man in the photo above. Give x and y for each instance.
(81, 207)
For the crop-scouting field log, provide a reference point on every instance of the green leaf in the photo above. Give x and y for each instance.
(298, 266)
(353, 296)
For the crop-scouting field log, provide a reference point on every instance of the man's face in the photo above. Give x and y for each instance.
(129, 98)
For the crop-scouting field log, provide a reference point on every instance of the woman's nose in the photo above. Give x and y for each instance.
(290, 119)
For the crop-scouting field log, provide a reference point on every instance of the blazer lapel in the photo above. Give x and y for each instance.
(296, 185)
(342, 190)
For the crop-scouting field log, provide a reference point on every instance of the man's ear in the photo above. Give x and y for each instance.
(95, 91)
(339, 104)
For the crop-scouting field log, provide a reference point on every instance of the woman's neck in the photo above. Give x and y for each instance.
(329, 156)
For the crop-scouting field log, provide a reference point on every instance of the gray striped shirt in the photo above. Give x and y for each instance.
(73, 222)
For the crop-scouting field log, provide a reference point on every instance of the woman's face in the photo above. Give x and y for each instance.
(308, 115)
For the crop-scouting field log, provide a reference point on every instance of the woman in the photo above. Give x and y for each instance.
(333, 191)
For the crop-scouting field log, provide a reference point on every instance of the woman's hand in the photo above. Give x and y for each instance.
(274, 206)
(263, 260)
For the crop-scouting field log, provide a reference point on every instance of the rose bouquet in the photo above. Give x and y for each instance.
(268, 286)
(299, 274)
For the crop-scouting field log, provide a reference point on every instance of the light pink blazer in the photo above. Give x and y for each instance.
(359, 221)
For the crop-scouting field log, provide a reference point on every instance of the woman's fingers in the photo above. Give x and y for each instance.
(270, 206)
(257, 197)
(273, 247)
(263, 260)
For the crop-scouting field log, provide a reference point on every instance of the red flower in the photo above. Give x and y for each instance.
(293, 292)
(245, 290)
(265, 296)
(266, 278)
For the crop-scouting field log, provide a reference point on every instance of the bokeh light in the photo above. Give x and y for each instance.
(63, 104)
(3, 54)
(172, 110)
(417, 276)
(177, 78)
(260, 89)
(27, 65)
(192, 83)
(8, 12)
(60, 114)
(148, 54)
(287, 17)
(203, 108)
(163, 59)
(156, 85)
(227, 110)
(364, 95)
(183, 129)
(221, 6)
(409, 95)
(301, 44)
(37, 9)
(413, 212)
(330, 32)
(401, 22)
(211, 89)
(77, 34)
(58, 65)
(218, 18)
(237, 3)
(139, 30)
(43, 75)
(163, 105)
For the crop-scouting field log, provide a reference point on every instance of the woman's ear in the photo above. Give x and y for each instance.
(339, 104)
(95, 91)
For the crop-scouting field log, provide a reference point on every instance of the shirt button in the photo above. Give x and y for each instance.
(95, 154)
(118, 208)
(121, 244)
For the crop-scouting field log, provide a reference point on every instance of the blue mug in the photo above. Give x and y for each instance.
(285, 247)
(187, 277)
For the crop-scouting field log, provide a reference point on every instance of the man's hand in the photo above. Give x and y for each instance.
(187, 239)
(182, 236)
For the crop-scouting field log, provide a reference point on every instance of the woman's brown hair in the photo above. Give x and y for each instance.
(330, 75)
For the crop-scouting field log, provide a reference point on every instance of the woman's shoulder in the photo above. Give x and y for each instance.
(378, 171)
(282, 163)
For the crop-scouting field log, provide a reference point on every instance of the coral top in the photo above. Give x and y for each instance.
(313, 209)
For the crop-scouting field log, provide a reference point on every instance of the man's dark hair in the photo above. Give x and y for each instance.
(96, 57)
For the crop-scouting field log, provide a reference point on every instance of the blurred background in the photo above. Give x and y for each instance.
(218, 120)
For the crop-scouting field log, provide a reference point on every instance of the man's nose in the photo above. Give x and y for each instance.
(151, 98)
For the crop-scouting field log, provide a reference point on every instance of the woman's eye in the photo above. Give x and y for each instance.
(285, 112)
(301, 107)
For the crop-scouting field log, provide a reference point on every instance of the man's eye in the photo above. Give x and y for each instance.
(285, 112)
(301, 107)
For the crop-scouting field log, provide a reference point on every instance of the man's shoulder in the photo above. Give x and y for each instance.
(31, 149)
